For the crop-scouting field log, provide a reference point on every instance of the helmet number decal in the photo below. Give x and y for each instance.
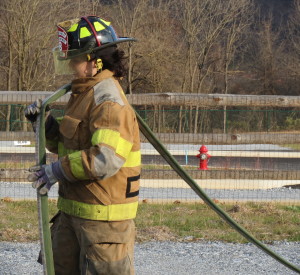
(62, 41)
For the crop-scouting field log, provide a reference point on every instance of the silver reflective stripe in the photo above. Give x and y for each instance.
(49, 173)
(107, 90)
(107, 163)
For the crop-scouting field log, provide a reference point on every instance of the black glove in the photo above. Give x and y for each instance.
(32, 110)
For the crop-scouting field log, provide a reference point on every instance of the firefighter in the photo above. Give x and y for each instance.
(98, 147)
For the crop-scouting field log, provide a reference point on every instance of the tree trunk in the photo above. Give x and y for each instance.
(196, 120)
(159, 119)
(180, 120)
(130, 70)
(224, 119)
(7, 127)
(191, 120)
(24, 121)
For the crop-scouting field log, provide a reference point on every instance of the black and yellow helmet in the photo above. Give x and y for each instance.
(84, 36)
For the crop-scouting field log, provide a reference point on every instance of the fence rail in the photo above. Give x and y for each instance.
(256, 159)
(172, 99)
(189, 138)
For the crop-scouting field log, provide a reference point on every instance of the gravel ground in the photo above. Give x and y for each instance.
(159, 258)
(25, 191)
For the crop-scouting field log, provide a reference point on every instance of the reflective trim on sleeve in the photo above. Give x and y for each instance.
(113, 139)
(133, 160)
(76, 165)
(113, 212)
(63, 151)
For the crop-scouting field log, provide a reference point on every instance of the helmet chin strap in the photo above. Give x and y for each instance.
(99, 63)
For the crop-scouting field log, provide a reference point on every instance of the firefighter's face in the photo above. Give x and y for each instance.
(82, 67)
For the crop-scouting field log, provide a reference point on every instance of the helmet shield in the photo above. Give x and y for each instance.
(61, 66)
(65, 66)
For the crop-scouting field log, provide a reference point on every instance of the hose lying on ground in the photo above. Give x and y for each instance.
(198, 190)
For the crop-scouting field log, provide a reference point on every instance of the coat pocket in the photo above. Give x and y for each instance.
(69, 129)
(95, 232)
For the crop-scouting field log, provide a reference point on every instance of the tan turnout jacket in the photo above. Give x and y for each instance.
(98, 144)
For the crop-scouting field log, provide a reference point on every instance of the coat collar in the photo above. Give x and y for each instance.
(84, 84)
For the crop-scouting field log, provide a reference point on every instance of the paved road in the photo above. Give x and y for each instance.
(186, 155)
(273, 164)
(25, 191)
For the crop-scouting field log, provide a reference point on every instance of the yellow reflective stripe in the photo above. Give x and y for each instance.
(113, 212)
(113, 139)
(124, 147)
(76, 165)
(133, 160)
(105, 22)
(84, 32)
(107, 136)
(73, 28)
(59, 119)
(98, 27)
(63, 151)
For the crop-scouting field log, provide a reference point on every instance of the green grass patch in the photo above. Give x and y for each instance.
(18, 220)
(292, 146)
(16, 165)
(175, 222)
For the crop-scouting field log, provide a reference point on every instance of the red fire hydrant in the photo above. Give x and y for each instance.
(204, 158)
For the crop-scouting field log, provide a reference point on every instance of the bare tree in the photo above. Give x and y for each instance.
(30, 30)
(292, 58)
(205, 24)
(233, 38)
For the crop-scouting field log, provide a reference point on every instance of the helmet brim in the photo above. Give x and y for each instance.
(78, 52)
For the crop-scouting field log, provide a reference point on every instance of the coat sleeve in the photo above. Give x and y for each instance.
(52, 133)
(112, 127)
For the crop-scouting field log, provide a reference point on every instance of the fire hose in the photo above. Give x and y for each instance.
(45, 236)
(42, 200)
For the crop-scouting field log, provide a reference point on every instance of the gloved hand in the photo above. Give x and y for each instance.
(45, 176)
(32, 110)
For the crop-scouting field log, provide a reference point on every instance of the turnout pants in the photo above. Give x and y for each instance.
(88, 247)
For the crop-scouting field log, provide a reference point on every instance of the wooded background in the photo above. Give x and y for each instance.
(184, 46)
(188, 46)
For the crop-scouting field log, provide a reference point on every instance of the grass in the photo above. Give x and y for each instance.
(17, 165)
(176, 222)
(295, 146)
(267, 222)
(18, 220)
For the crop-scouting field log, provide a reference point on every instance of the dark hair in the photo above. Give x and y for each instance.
(114, 60)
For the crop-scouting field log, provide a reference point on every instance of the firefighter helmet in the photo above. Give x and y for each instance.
(83, 37)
